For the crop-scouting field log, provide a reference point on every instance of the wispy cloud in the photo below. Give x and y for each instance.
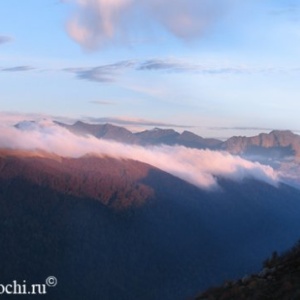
(135, 121)
(110, 72)
(104, 73)
(5, 39)
(96, 23)
(290, 9)
(152, 91)
(18, 69)
(168, 65)
(172, 65)
(241, 128)
(103, 102)
(250, 128)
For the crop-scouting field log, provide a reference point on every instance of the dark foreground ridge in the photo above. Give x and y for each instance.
(123, 230)
(279, 280)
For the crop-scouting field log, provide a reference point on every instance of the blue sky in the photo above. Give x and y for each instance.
(215, 67)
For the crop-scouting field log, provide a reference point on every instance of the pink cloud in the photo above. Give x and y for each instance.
(96, 23)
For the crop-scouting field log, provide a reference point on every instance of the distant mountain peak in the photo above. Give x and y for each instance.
(282, 133)
(80, 123)
(25, 124)
(156, 129)
(277, 143)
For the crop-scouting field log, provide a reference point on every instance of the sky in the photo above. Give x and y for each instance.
(214, 67)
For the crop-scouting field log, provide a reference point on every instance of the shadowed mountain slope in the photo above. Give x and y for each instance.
(119, 229)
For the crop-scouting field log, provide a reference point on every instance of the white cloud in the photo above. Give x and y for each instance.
(96, 21)
(198, 167)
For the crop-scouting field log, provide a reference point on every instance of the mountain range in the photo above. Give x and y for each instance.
(121, 229)
(280, 148)
(155, 136)
(277, 143)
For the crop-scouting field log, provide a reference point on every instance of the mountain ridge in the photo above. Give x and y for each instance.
(279, 279)
(279, 149)
(235, 144)
(155, 136)
(126, 230)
